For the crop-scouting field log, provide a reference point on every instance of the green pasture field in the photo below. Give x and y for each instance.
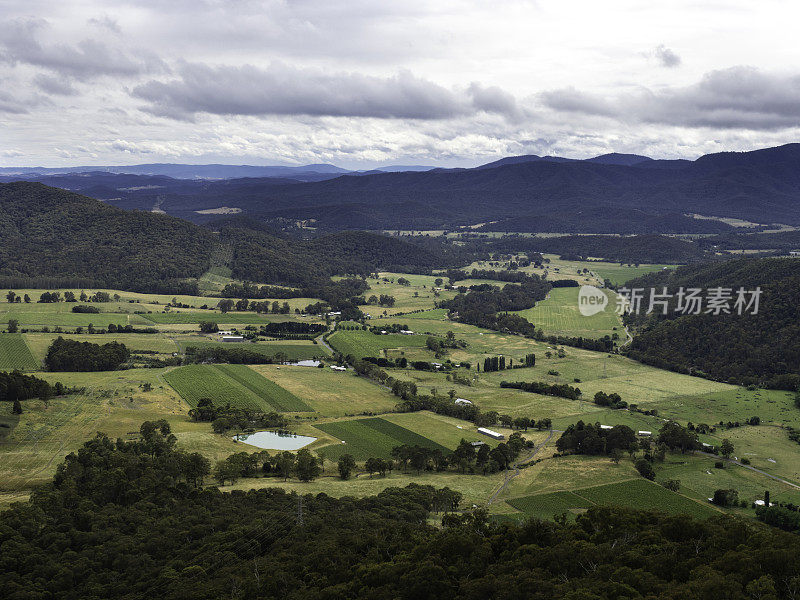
(645, 495)
(15, 353)
(371, 437)
(113, 402)
(546, 506)
(405, 300)
(293, 349)
(559, 314)
(331, 393)
(699, 477)
(148, 342)
(475, 488)
(179, 317)
(633, 493)
(70, 319)
(363, 343)
(235, 384)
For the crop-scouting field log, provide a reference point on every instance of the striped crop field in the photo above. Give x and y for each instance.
(372, 437)
(238, 385)
(15, 354)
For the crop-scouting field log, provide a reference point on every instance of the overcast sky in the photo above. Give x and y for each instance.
(366, 83)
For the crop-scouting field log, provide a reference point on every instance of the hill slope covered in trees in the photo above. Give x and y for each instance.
(55, 238)
(130, 520)
(762, 348)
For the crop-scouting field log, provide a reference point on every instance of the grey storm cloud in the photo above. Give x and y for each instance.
(738, 97)
(286, 90)
(666, 57)
(19, 44)
(55, 86)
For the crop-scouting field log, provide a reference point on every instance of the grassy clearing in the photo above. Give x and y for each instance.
(40, 342)
(330, 393)
(293, 350)
(546, 506)
(69, 319)
(235, 384)
(633, 493)
(275, 395)
(559, 314)
(645, 495)
(363, 343)
(15, 353)
(190, 317)
(373, 437)
(475, 488)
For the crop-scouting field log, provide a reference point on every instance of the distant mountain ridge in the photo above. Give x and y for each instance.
(611, 193)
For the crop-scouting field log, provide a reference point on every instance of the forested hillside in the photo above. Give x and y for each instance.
(130, 520)
(57, 235)
(48, 232)
(608, 194)
(761, 348)
(635, 249)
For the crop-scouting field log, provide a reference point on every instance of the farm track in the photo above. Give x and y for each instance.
(517, 465)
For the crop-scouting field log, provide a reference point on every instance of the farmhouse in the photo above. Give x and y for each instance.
(232, 338)
(492, 434)
(644, 433)
(338, 368)
(477, 444)
(406, 332)
(463, 402)
(606, 427)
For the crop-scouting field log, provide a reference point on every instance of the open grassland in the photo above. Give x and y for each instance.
(418, 295)
(235, 384)
(475, 488)
(371, 437)
(559, 314)
(546, 506)
(293, 349)
(633, 493)
(645, 495)
(69, 319)
(331, 393)
(363, 343)
(15, 353)
(113, 402)
(40, 342)
(189, 317)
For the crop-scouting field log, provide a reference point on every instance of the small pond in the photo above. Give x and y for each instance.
(306, 363)
(271, 440)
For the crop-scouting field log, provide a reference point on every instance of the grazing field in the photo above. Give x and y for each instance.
(40, 342)
(546, 506)
(185, 318)
(235, 384)
(363, 343)
(331, 393)
(70, 319)
(645, 495)
(559, 314)
(633, 493)
(373, 437)
(293, 350)
(15, 353)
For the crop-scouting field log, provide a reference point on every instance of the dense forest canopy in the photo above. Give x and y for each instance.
(761, 348)
(130, 520)
(48, 232)
(55, 238)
